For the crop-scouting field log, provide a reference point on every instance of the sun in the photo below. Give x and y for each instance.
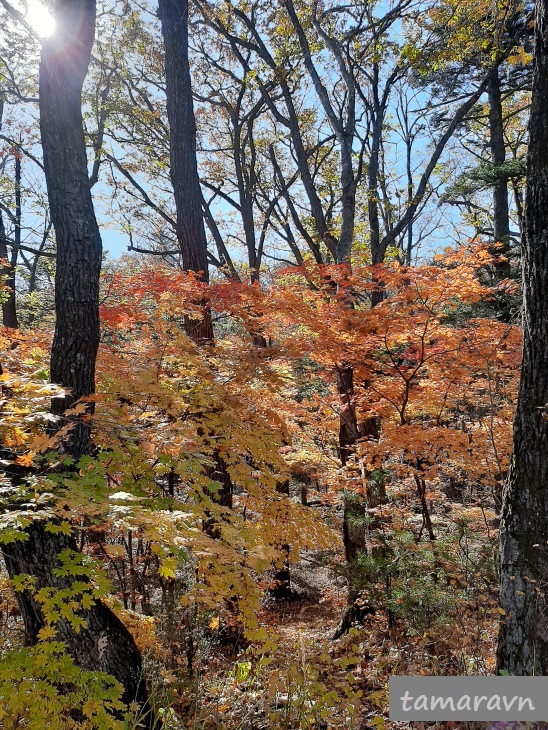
(40, 18)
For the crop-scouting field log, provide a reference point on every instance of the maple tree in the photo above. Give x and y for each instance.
(442, 389)
(417, 409)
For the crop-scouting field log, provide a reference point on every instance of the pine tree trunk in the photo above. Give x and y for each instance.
(9, 310)
(104, 644)
(191, 235)
(523, 638)
(63, 67)
(501, 217)
(173, 15)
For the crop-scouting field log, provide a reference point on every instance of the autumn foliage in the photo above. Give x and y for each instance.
(437, 379)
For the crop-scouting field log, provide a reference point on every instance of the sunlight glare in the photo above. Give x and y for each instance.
(40, 19)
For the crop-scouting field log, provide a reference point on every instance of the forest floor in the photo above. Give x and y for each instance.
(300, 678)
(304, 679)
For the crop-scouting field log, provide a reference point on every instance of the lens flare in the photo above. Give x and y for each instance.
(40, 18)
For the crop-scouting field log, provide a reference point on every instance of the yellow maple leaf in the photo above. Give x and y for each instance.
(25, 459)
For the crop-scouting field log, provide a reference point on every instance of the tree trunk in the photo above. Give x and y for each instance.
(316, 208)
(63, 67)
(219, 473)
(245, 179)
(191, 235)
(377, 253)
(409, 172)
(173, 15)
(501, 218)
(282, 577)
(348, 199)
(523, 638)
(9, 311)
(104, 644)
(349, 429)
(349, 432)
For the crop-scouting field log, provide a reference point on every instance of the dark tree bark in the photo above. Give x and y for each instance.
(104, 644)
(379, 102)
(173, 15)
(191, 235)
(281, 589)
(243, 147)
(409, 171)
(219, 473)
(349, 428)
(501, 217)
(63, 67)
(9, 310)
(523, 638)
(353, 529)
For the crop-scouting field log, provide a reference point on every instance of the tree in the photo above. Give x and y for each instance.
(23, 200)
(191, 236)
(102, 642)
(464, 39)
(236, 127)
(523, 638)
(9, 310)
(501, 216)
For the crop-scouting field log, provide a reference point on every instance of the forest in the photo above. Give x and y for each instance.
(273, 358)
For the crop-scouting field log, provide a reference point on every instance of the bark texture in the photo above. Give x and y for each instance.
(191, 235)
(349, 428)
(9, 311)
(7, 271)
(173, 15)
(281, 580)
(63, 67)
(104, 643)
(501, 217)
(523, 638)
